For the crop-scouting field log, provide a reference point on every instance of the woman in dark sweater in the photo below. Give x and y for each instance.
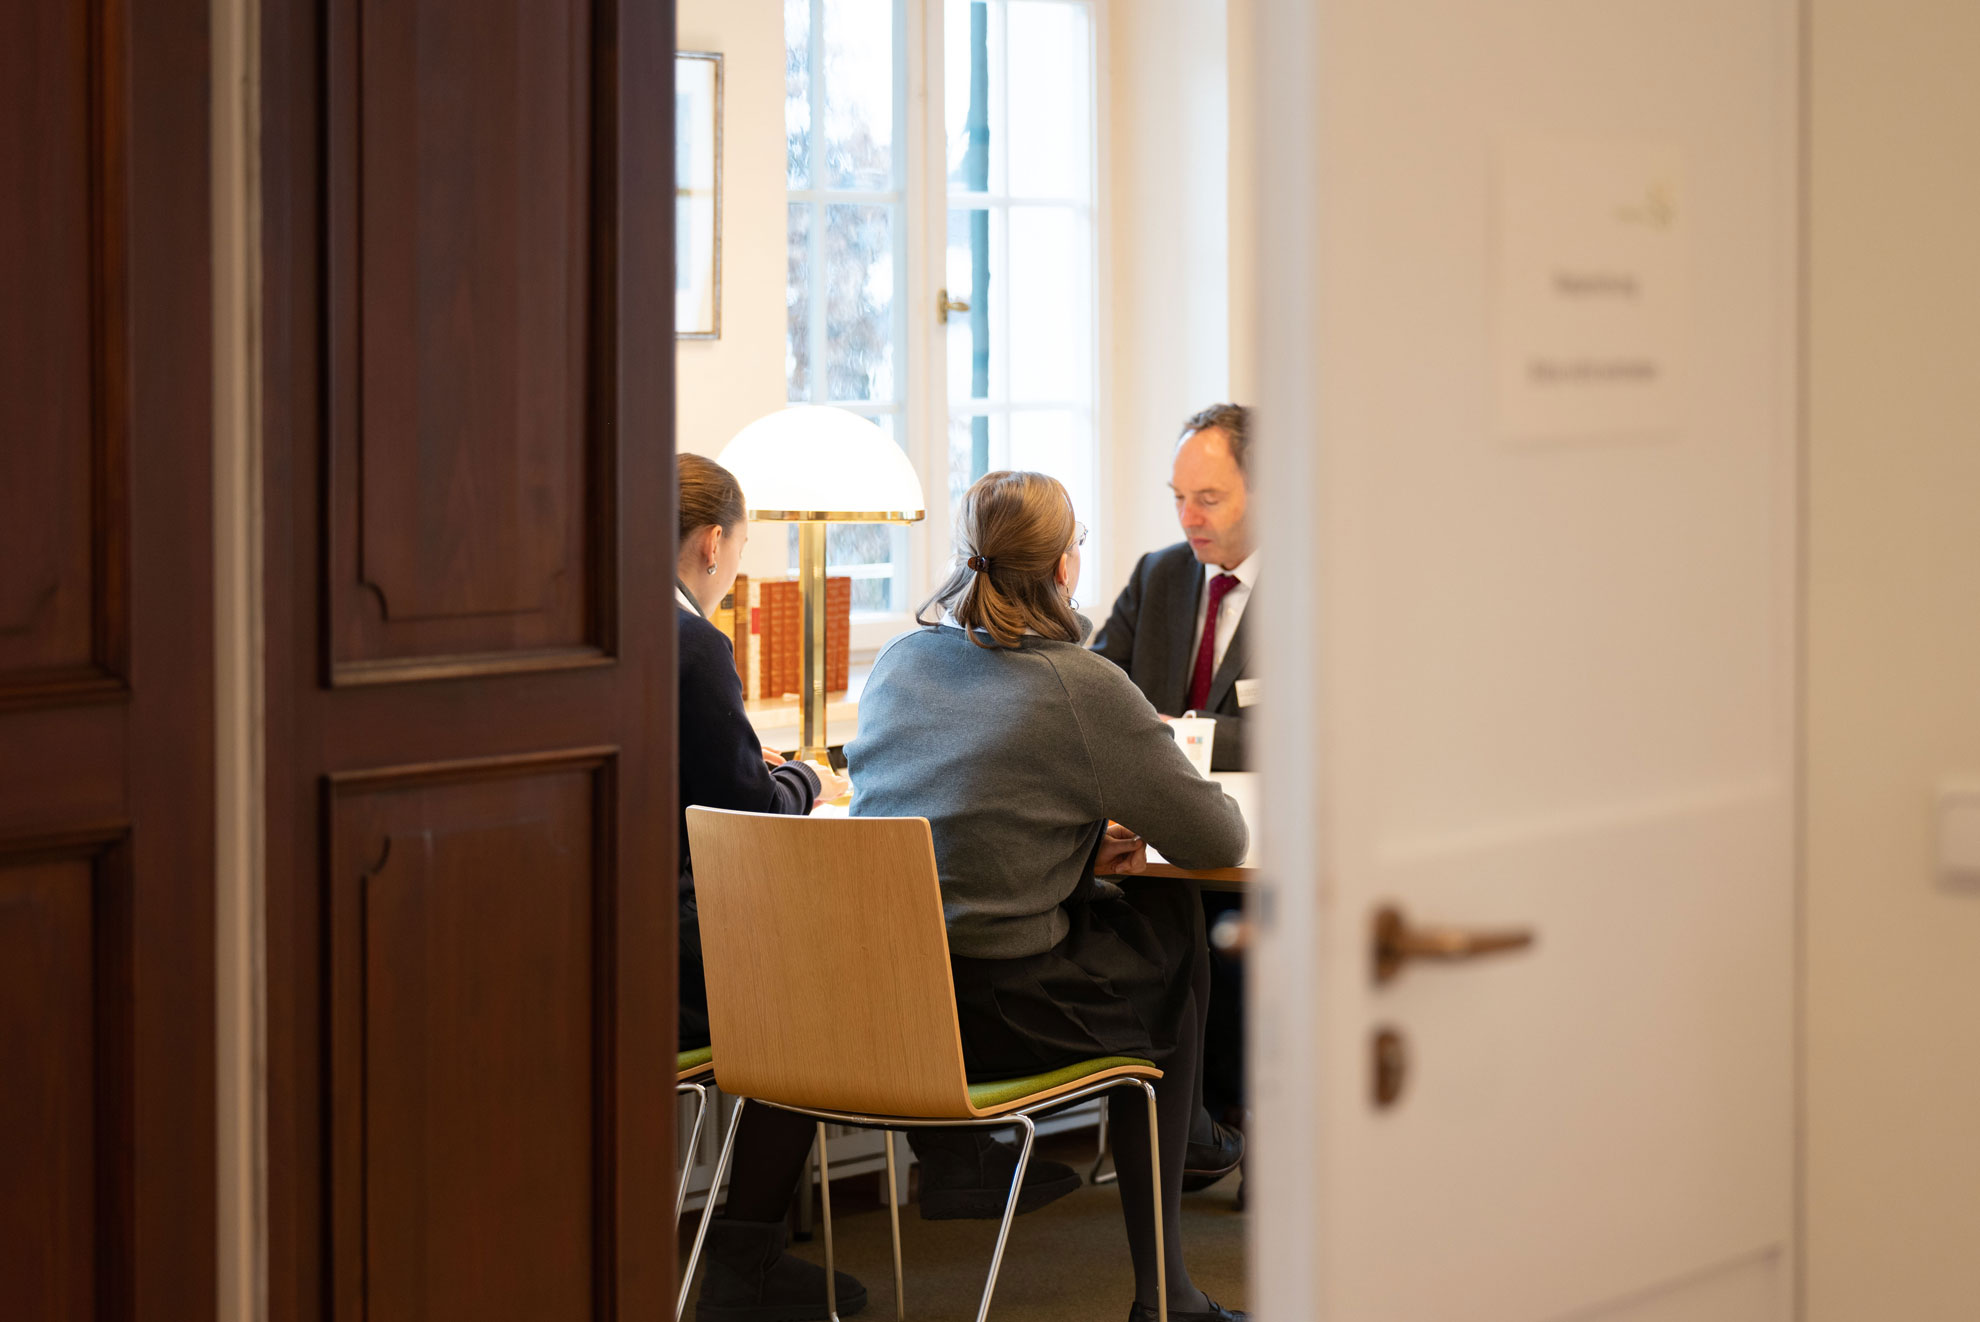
(723, 765)
(1038, 765)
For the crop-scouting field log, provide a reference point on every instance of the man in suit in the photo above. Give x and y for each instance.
(1178, 630)
(1157, 632)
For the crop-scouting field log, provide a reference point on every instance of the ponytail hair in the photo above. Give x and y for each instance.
(1011, 530)
(710, 496)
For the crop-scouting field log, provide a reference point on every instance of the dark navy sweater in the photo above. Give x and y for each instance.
(721, 758)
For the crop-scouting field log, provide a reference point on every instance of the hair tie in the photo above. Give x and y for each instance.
(980, 563)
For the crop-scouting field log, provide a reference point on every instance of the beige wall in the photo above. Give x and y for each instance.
(727, 383)
(1165, 248)
(1893, 1100)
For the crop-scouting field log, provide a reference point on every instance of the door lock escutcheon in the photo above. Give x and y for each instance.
(1390, 1067)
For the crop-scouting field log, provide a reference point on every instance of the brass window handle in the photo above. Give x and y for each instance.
(944, 305)
(1397, 943)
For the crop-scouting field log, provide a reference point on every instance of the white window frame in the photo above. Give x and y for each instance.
(921, 405)
(933, 376)
(870, 629)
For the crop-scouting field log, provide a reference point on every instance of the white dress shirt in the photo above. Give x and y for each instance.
(1229, 611)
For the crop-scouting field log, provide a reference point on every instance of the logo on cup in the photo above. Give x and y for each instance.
(1196, 734)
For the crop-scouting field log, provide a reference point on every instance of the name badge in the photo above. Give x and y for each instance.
(1247, 693)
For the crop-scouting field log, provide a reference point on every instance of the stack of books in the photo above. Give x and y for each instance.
(764, 619)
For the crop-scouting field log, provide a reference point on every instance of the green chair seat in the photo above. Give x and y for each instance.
(693, 1060)
(1002, 1092)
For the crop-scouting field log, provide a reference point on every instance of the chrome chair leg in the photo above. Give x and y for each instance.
(708, 1208)
(1155, 1182)
(1103, 1141)
(825, 1201)
(1010, 1214)
(700, 1091)
(894, 1224)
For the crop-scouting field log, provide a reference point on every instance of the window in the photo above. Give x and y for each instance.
(1018, 123)
(846, 332)
(997, 210)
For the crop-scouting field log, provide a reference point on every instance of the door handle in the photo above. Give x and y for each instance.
(944, 305)
(1397, 943)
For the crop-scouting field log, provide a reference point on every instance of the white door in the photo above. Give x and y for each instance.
(1531, 508)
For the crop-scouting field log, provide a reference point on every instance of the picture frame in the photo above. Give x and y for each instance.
(697, 195)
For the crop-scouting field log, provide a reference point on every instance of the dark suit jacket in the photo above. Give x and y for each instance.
(1151, 636)
(721, 757)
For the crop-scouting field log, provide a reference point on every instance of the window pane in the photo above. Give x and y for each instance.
(974, 371)
(976, 447)
(859, 94)
(859, 302)
(1050, 295)
(797, 303)
(797, 92)
(1051, 123)
(972, 92)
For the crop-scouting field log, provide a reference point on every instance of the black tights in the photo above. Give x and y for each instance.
(1178, 1103)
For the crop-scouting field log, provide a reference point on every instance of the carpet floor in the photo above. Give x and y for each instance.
(1065, 1263)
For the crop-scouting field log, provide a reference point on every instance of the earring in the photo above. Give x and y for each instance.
(711, 569)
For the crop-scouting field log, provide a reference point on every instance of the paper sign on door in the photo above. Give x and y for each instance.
(1591, 289)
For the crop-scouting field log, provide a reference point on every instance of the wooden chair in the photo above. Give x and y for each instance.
(829, 995)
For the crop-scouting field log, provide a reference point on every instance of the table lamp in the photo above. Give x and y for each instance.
(812, 466)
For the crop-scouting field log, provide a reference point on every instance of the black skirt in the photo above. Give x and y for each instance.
(1118, 984)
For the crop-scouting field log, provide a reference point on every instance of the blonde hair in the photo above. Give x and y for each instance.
(1011, 530)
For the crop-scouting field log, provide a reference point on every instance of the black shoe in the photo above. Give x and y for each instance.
(966, 1176)
(751, 1279)
(1215, 1313)
(1206, 1163)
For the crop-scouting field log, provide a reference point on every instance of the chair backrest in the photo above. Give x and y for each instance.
(827, 962)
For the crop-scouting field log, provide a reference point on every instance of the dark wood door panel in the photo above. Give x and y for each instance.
(469, 344)
(468, 906)
(65, 1052)
(107, 1024)
(466, 532)
(63, 431)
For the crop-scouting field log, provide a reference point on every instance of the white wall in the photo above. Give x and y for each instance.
(1893, 1101)
(724, 384)
(1166, 252)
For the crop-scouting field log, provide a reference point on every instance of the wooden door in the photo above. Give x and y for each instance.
(107, 1189)
(1552, 619)
(469, 482)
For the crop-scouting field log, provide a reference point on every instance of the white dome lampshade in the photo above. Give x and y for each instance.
(813, 463)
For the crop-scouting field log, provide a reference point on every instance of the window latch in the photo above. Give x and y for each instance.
(944, 305)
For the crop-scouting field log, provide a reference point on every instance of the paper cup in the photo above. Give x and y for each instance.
(1195, 734)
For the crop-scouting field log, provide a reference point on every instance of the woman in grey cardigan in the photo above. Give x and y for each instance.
(1039, 765)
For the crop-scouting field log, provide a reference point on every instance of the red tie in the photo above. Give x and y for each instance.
(1206, 651)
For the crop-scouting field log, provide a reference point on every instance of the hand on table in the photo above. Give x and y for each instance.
(1122, 853)
(831, 785)
(772, 758)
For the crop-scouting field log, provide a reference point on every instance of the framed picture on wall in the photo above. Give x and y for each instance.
(697, 195)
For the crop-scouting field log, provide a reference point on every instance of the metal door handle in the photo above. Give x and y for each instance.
(1397, 943)
(944, 305)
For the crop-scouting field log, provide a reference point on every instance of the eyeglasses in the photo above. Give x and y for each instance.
(1079, 533)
